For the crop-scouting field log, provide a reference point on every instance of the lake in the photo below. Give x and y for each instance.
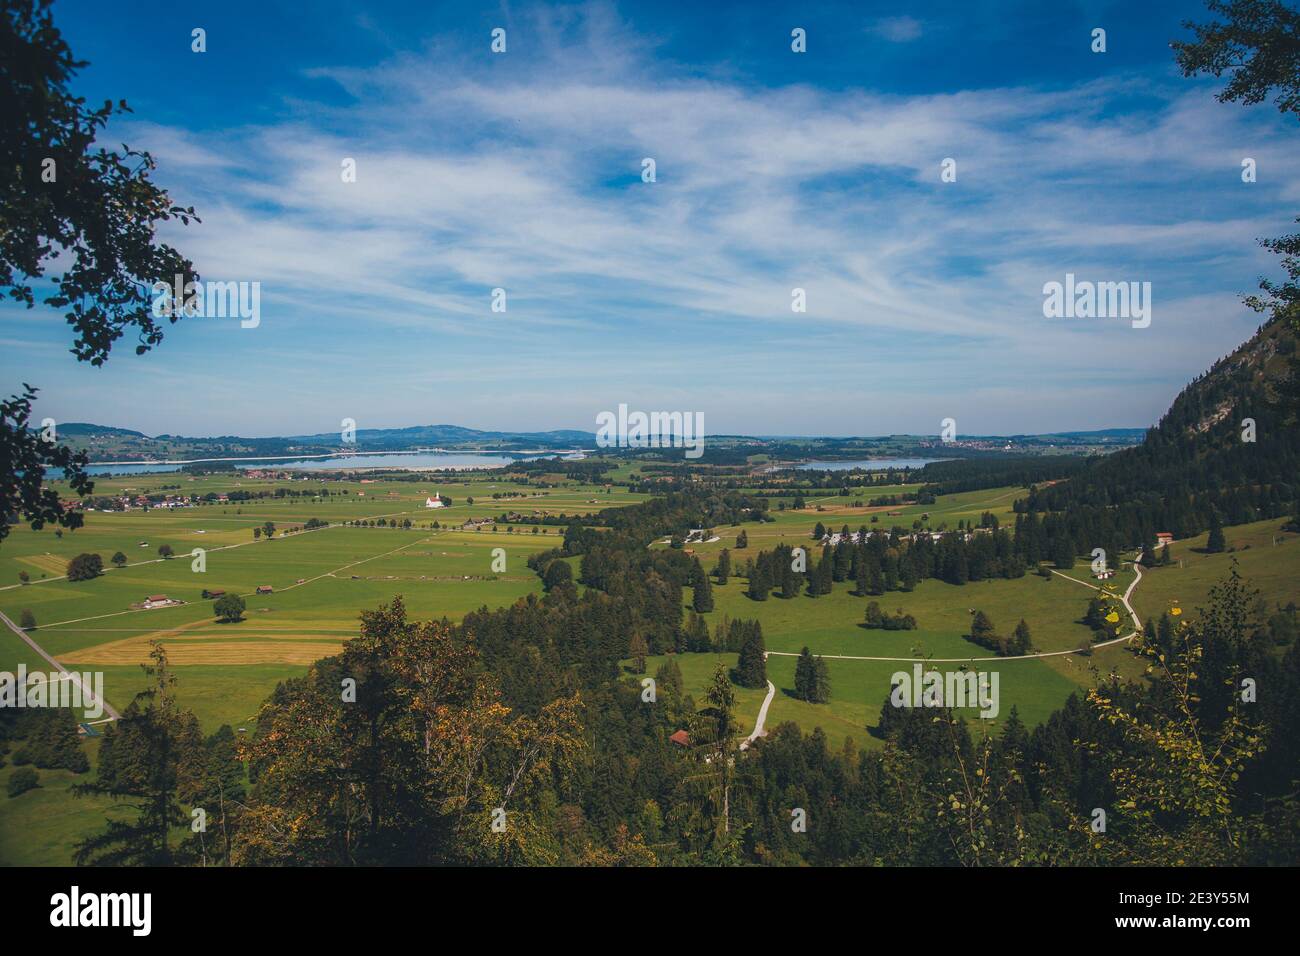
(400, 460)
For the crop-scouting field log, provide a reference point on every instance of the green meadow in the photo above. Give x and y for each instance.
(1267, 557)
(41, 827)
(831, 625)
(320, 580)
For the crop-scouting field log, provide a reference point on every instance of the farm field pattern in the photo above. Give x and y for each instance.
(321, 579)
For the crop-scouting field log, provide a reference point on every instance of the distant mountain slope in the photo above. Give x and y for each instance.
(107, 443)
(1199, 461)
(450, 434)
(85, 429)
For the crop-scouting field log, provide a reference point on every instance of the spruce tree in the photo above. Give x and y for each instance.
(805, 676)
(1216, 543)
(751, 666)
(758, 583)
(702, 600)
(724, 567)
(982, 630)
(638, 651)
(821, 681)
(1021, 642)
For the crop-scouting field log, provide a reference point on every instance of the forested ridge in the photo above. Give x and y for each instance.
(1228, 450)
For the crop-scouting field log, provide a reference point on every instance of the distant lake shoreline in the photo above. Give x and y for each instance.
(354, 461)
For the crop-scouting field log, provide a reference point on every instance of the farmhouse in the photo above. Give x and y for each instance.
(1163, 538)
(158, 600)
(265, 589)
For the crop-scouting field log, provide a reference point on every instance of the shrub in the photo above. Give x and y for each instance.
(22, 780)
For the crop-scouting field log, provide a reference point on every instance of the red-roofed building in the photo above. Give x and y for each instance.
(681, 738)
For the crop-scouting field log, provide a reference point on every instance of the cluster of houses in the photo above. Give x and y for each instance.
(131, 502)
(698, 535)
(832, 538)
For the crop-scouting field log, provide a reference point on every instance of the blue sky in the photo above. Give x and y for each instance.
(775, 170)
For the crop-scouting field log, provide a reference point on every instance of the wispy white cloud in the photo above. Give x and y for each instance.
(523, 171)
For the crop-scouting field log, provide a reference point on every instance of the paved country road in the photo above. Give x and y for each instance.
(86, 693)
(1137, 625)
(762, 717)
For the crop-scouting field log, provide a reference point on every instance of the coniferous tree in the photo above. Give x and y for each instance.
(875, 578)
(875, 618)
(982, 630)
(811, 678)
(759, 586)
(821, 681)
(668, 678)
(863, 578)
(702, 598)
(805, 677)
(1021, 642)
(144, 759)
(724, 567)
(1216, 544)
(751, 667)
(638, 651)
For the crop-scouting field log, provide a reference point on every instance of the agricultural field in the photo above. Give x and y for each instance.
(320, 579)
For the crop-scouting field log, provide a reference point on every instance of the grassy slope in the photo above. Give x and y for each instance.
(41, 826)
(1273, 568)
